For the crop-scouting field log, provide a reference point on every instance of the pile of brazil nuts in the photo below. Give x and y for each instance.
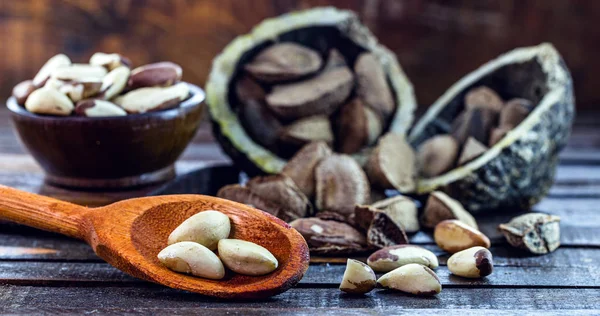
(192, 243)
(300, 96)
(485, 120)
(105, 86)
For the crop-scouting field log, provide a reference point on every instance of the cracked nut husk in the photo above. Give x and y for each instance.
(390, 258)
(441, 207)
(412, 278)
(205, 228)
(192, 258)
(453, 236)
(246, 257)
(475, 262)
(537, 233)
(359, 278)
(330, 237)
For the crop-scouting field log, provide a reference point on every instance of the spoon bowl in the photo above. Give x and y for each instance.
(130, 234)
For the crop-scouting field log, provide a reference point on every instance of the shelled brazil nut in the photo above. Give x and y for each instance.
(313, 75)
(104, 87)
(500, 130)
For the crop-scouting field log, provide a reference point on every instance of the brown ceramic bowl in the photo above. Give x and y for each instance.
(109, 152)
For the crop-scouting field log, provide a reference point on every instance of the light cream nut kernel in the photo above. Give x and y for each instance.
(52, 64)
(109, 61)
(412, 278)
(359, 278)
(440, 207)
(390, 258)
(79, 72)
(402, 210)
(475, 262)
(152, 99)
(49, 101)
(98, 108)
(114, 82)
(453, 236)
(246, 257)
(192, 258)
(205, 228)
(76, 90)
(538, 233)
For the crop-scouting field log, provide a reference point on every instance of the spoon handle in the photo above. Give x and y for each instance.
(41, 212)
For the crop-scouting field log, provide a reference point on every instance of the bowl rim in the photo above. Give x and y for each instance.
(198, 97)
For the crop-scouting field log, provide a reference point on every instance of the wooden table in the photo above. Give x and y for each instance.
(46, 273)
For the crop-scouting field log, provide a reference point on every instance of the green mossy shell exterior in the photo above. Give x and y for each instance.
(520, 169)
(235, 142)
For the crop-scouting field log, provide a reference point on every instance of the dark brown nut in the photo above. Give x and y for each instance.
(330, 237)
(514, 112)
(334, 216)
(161, 74)
(46, 100)
(76, 90)
(79, 73)
(359, 278)
(306, 130)
(114, 82)
(497, 134)
(49, 67)
(320, 95)
(535, 232)
(22, 91)
(475, 262)
(282, 190)
(402, 210)
(392, 164)
(98, 108)
(109, 61)
(241, 194)
(153, 99)
(340, 184)
(440, 207)
(472, 149)
(453, 236)
(485, 98)
(412, 278)
(393, 257)
(284, 61)
(301, 168)
(384, 231)
(437, 155)
(335, 60)
(372, 86)
(358, 126)
(476, 123)
(258, 120)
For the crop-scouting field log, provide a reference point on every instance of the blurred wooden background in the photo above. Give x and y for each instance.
(437, 42)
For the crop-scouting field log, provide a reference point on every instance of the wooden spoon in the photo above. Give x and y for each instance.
(129, 235)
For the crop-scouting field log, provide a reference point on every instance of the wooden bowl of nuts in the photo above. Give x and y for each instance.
(101, 125)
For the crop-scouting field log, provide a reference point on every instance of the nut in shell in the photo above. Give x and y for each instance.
(393, 257)
(330, 237)
(358, 126)
(284, 61)
(392, 164)
(471, 151)
(205, 228)
(382, 230)
(301, 168)
(359, 278)
(98, 108)
(309, 129)
(453, 236)
(537, 233)
(402, 210)
(246, 257)
(412, 278)
(483, 97)
(46, 100)
(514, 112)
(372, 86)
(282, 190)
(192, 258)
(340, 184)
(475, 262)
(441, 207)
(475, 123)
(437, 155)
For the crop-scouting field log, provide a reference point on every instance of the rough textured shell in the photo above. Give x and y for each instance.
(228, 130)
(519, 170)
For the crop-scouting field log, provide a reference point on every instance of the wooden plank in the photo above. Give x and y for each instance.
(160, 300)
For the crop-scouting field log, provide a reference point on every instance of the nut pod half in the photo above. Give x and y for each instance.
(313, 75)
(517, 168)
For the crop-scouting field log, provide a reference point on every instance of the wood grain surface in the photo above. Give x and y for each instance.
(437, 41)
